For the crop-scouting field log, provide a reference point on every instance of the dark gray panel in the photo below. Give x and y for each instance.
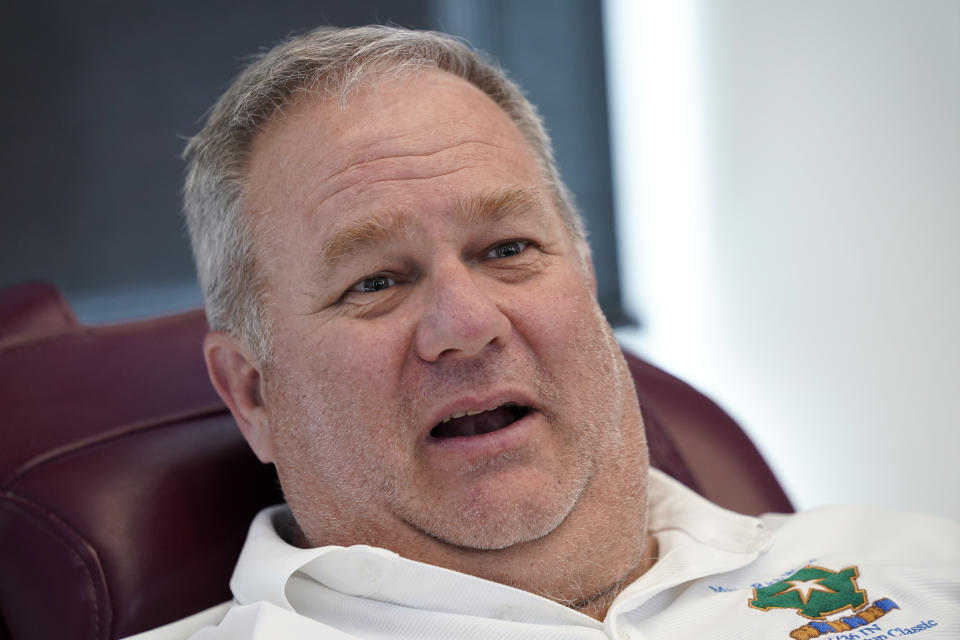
(102, 94)
(101, 98)
(554, 49)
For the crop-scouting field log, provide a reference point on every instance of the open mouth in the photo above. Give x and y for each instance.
(475, 423)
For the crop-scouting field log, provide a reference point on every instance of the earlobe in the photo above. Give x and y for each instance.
(237, 379)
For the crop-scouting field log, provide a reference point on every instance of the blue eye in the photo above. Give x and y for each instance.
(508, 249)
(373, 284)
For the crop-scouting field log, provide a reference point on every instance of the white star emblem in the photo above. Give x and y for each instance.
(804, 588)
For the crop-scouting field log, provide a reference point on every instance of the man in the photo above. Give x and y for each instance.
(404, 322)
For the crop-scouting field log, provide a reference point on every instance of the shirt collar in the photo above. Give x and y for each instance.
(716, 539)
(673, 506)
(268, 563)
(695, 538)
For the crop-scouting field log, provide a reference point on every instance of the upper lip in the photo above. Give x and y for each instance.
(478, 403)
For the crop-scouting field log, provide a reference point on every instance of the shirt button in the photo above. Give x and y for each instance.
(623, 635)
(369, 569)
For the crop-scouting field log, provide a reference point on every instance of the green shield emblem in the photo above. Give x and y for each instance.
(814, 592)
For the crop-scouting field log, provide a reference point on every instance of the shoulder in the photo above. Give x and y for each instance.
(881, 534)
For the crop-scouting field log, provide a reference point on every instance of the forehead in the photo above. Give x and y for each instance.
(421, 140)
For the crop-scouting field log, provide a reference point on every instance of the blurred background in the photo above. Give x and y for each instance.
(772, 190)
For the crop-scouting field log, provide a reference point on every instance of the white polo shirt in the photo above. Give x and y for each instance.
(845, 573)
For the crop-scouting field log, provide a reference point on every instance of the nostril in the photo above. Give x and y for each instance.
(450, 330)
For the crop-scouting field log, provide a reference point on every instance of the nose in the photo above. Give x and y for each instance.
(460, 318)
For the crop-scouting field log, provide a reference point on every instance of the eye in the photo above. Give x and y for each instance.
(373, 284)
(508, 249)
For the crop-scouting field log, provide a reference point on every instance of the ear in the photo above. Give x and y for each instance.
(236, 377)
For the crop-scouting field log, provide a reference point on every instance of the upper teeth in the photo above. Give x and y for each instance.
(466, 413)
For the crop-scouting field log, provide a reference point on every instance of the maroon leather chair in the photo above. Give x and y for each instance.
(127, 489)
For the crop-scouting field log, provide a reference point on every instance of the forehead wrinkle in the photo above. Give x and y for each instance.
(372, 183)
(362, 160)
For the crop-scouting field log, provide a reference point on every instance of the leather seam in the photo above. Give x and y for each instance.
(58, 529)
(113, 434)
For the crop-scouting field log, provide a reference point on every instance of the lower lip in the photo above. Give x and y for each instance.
(486, 444)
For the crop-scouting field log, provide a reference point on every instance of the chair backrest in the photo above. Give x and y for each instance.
(32, 310)
(127, 489)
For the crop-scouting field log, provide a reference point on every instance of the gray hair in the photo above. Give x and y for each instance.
(327, 62)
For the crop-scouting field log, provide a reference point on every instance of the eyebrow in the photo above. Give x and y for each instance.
(486, 207)
(493, 206)
(355, 236)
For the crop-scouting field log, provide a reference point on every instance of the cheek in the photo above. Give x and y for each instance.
(352, 359)
(578, 354)
(562, 322)
(335, 389)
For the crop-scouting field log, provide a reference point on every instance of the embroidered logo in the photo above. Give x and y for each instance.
(815, 592)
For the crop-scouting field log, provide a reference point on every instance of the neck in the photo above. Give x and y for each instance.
(597, 605)
(584, 564)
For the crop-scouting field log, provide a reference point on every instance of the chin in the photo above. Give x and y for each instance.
(497, 535)
(497, 520)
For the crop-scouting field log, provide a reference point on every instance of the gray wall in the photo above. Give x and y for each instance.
(827, 295)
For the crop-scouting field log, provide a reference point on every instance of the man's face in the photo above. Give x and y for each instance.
(441, 378)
